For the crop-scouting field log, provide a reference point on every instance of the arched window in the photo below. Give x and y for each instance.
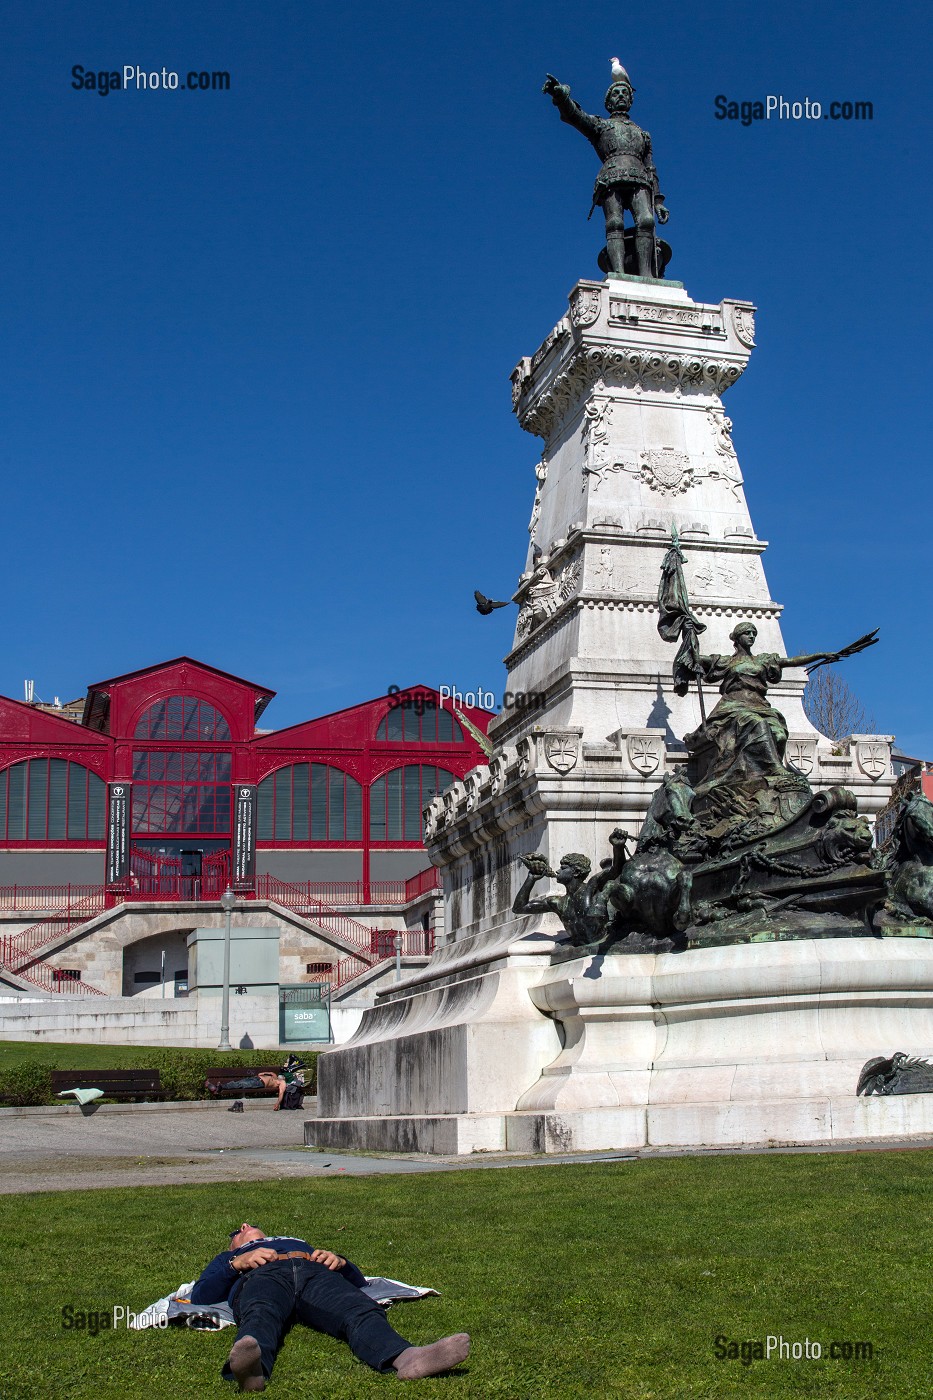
(182, 717)
(419, 721)
(51, 799)
(310, 802)
(396, 800)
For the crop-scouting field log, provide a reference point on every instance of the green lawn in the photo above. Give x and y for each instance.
(612, 1279)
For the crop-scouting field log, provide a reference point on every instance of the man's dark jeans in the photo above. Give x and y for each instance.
(295, 1290)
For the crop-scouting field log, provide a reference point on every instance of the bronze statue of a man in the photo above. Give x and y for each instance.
(628, 179)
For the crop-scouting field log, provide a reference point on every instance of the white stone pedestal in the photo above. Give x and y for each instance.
(491, 1047)
(752, 1045)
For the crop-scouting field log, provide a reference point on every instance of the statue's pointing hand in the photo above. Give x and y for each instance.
(662, 213)
(552, 86)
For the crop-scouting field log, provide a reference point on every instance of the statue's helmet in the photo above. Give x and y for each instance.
(579, 864)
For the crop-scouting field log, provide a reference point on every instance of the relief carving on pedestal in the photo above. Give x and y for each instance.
(743, 320)
(561, 752)
(545, 595)
(801, 755)
(872, 758)
(644, 753)
(584, 305)
(540, 479)
(666, 470)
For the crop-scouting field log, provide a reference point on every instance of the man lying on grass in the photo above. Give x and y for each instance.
(271, 1281)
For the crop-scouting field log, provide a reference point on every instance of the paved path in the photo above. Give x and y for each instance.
(206, 1143)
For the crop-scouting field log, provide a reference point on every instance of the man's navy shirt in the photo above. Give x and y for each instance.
(218, 1283)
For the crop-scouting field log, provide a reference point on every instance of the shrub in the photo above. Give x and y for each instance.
(26, 1086)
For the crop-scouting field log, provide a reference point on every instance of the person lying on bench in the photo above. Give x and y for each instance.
(290, 1073)
(272, 1281)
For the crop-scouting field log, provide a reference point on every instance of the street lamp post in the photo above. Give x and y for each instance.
(397, 941)
(227, 904)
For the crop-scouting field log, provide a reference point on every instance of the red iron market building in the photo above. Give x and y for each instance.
(162, 792)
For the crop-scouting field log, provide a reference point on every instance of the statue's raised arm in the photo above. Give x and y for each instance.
(743, 741)
(628, 179)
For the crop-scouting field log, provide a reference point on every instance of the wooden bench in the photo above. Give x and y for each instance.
(139, 1085)
(225, 1073)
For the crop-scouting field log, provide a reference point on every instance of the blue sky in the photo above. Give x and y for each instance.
(257, 342)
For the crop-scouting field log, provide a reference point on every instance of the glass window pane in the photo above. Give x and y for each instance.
(318, 802)
(335, 821)
(222, 767)
(381, 730)
(377, 810)
(77, 801)
(17, 808)
(157, 724)
(394, 823)
(58, 796)
(413, 802)
(411, 728)
(445, 725)
(189, 719)
(264, 810)
(4, 782)
(301, 802)
(38, 798)
(458, 734)
(283, 804)
(173, 767)
(96, 804)
(354, 795)
(394, 724)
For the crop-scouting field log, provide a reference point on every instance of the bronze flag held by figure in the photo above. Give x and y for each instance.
(677, 623)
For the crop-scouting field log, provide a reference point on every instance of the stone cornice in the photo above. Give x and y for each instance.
(631, 338)
(710, 608)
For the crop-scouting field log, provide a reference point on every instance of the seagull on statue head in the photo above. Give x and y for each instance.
(619, 74)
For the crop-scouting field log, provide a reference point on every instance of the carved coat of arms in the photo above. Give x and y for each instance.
(666, 470)
(801, 754)
(872, 759)
(561, 752)
(644, 753)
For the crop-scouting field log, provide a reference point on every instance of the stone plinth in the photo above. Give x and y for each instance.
(722, 1046)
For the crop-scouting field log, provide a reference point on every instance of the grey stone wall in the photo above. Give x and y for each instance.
(51, 867)
(298, 866)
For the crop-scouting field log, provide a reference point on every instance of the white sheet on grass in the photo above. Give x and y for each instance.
(177, 1306)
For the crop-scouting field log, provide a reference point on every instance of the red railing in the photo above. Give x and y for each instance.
(43, 977)
(29, 897)
(298, 899)
(415, 942)
(423, 883)
(18, 948)
(164, 877)
(357, 893)
(160, 877)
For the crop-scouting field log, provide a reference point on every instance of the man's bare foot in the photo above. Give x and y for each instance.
(245, 1364)
(415, 1362)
